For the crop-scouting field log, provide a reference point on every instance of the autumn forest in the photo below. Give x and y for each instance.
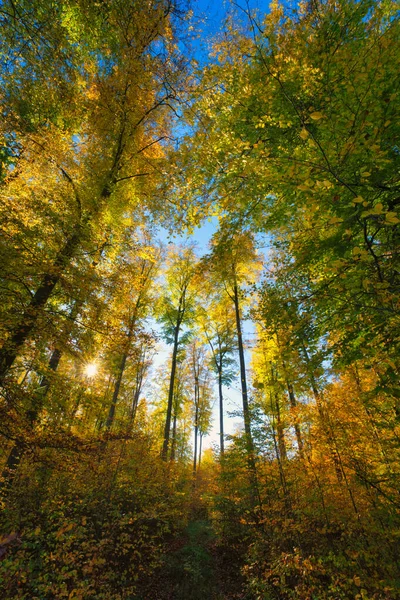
(192, 213)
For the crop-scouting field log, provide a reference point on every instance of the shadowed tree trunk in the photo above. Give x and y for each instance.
(173, 444)
(196, 424)
(246, 412)
(132, 322)
(200, 450)
(221, 411)
(293, 404)
(324, 417)
(27, 322)
(117, 386)
(280, 430)
(18, 450)
(177, 327)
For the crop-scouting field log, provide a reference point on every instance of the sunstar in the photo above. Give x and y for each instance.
(91, 369)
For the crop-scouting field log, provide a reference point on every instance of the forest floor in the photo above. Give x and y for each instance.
(197, 567)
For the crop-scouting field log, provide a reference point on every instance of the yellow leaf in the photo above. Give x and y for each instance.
(316, 116)
(391, 218)
(366, 283)
(357, 580)
(304, 134)
(358, 200)
(325, 184)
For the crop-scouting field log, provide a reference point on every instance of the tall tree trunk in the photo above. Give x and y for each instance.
(221, 412)
(18, 450)
(33, 413)
(167, 428)
(135, 400)
(200, 450)
(29, 317)
(293, 404)
(278, 455)
(21, 332)
(324, 417)
(196, 425)
(173, 445)
(243, 380)
(114, 399)
(256, 499)
(139, 384)
(280, 430)
(118, 381)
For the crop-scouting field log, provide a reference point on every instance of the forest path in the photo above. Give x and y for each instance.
(198, 567)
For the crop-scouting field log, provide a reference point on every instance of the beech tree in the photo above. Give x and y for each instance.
(118, 140)
(217, 320)
(136, 273)
(176, 311)
(198, 364)
(230, 263)
(304, 144)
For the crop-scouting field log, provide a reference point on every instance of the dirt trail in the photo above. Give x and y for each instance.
(197, 568)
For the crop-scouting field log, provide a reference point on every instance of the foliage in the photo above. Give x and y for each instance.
(288, 135)
(85, 531)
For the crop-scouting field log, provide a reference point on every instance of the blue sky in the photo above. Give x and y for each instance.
(213, 15)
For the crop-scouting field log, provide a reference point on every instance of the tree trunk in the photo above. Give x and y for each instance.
(221, 412)
(196, 426)
(21, 332)
(246, 412)
(111, 412)
(135, 400)
(324, 418)
(32, 414)
(281, 433)
(167, 428)
(18, 450)
(243, 381)
(117, 386)
(200, 450)
(28, 320)
(173, 445)
(293, 404)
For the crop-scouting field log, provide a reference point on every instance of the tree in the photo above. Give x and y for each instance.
(198, 361)
(137, 274)
(306, 150)
(217, 321)
(175, 311)
(118, 143)
(229, 263)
